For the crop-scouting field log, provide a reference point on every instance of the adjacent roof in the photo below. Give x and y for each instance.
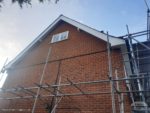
(113, 40)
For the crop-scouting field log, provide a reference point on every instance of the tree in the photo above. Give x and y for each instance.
(21, 2)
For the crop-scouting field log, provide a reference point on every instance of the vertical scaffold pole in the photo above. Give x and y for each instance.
(41, 80)
(148, 24)
(148, 20)
(136, 71)
(110, 76)
(120, 95)
(58, 80)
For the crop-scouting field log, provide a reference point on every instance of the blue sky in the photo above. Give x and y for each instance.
(18, 27)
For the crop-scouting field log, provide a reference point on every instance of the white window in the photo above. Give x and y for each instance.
(60, 36)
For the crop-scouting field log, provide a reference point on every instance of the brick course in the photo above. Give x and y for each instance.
(82, 57)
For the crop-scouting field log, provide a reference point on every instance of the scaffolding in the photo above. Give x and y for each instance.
(133, 81)
(135, 60)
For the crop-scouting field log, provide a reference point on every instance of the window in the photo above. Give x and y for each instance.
(60, 37)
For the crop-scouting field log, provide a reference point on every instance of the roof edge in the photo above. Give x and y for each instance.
(114, 41)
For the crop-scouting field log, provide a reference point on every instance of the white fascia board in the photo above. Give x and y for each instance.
(113, 41)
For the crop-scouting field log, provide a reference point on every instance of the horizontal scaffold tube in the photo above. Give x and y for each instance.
(2, 90)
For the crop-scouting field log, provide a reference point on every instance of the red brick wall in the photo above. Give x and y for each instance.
(82, 57)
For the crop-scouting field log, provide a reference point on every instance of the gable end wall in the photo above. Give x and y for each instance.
(82, 57)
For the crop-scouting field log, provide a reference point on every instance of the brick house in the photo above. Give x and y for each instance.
(78, 53)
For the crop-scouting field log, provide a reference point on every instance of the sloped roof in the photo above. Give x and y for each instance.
(114, 41)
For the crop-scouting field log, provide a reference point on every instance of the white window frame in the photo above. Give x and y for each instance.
(58, 37)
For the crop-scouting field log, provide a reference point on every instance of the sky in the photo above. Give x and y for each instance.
(19, 27)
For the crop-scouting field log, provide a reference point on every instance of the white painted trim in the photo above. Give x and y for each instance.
(59, 37)
(113, 41)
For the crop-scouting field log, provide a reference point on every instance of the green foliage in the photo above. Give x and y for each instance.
(1, 3)
(21, 2)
